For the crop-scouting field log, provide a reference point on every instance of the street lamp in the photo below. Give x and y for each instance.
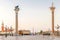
(6, 30)
(57, 27)
(11, 30)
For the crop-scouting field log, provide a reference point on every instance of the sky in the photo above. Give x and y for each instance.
(34, 15)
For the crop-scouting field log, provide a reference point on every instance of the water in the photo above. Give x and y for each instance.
(29, 37)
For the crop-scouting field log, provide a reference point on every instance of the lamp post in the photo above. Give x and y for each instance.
(16, 12)
(6, 31)
(57, 27)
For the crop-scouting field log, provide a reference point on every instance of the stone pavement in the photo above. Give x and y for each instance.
(29, 37)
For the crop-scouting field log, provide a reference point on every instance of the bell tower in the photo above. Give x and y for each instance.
(2, 28)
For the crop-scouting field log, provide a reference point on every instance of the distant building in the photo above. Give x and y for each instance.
(4, 29)
(24, 32)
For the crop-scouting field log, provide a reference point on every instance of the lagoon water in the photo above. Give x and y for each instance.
(29, 37)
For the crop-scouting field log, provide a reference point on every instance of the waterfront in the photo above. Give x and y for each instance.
(29, 37)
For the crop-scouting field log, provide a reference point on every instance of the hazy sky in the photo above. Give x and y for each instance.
(33, 15)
